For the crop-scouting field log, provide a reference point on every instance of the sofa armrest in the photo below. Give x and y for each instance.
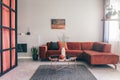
(42, 51)
(107, 47)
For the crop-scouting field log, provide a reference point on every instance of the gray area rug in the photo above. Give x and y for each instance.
(48, 72)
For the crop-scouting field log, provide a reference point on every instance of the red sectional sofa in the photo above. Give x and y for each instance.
(94, 53)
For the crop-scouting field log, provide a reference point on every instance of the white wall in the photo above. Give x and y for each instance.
(83, 20)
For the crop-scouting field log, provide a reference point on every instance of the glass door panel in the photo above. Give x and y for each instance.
(0, 15)
(0, 49)
(5, 38)
(7, 2)
(13, 38)
(13, 57)
(13, 19)
(13, 4)
(0, 62)
(6, 60)
(8, 53)
(5, 16)
(0, 38)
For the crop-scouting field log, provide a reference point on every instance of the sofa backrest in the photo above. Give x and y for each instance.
(83, 46)
(106, 48)
(52, 46)
(87, 45)
(74, 45)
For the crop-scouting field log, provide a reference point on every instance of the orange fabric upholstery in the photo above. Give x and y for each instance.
(74, 45)
(74, 52)
(86, 45)
(53, 52)
(42, 51)
(101, 57)
(83, 50)
(107, 47)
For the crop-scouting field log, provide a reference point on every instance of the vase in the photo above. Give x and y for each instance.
(63, 52)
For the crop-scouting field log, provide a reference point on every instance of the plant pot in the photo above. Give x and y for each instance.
(35, 57)
(108, 16)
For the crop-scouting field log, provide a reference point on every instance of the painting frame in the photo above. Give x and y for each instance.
(57, 23)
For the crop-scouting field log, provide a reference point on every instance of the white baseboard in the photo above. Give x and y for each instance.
(24, 57)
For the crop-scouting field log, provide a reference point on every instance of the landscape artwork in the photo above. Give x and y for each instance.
(58, 23)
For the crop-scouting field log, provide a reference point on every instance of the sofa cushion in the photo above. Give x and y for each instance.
(77, 53)
(74, 45)
(86, 45)
(101, 57)
(53, 52)
(98, 47)
(92, 52)
(53, 46)
(74, 51)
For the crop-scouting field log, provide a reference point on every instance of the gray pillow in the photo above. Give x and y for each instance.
(98, 47)
(53, 46)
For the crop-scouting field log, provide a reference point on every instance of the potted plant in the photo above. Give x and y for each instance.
(110, 11)
(34, 52)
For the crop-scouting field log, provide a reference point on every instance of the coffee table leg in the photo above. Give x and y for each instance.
(75, 63)
(53, 65)
(68, 62)
(56, 65)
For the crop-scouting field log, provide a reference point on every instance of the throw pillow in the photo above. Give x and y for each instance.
(98, 47)
(53, 46)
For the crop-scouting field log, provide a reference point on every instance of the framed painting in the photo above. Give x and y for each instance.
(58, 23)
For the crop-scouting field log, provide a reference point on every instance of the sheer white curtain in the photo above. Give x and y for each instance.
(112, 28)
(114, 36)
